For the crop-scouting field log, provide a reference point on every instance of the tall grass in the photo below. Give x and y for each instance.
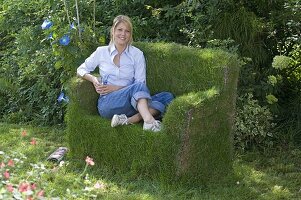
(246, 29)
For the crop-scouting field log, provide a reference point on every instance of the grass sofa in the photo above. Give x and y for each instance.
(195, 145)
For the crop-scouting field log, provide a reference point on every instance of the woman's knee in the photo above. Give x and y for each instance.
(168, 96)
(163, 97)
(140, 87)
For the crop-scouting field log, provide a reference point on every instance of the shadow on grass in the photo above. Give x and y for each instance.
(273, 175)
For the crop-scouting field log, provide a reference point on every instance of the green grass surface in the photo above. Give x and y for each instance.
(195, 145)
(273, 175)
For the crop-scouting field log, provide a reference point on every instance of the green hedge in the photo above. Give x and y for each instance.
(195, 145)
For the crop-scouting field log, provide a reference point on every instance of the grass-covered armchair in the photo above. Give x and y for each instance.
(195, 145)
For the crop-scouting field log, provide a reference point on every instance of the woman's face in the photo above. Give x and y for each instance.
(122, 34)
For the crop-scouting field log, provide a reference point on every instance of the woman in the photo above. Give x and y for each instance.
(124, 96)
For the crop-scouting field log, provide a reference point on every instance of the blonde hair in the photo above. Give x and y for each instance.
(122, 19)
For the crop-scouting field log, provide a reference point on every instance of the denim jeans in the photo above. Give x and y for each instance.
(124, 101)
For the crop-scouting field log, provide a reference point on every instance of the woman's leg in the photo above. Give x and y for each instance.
(142, 106)
(123, 101)
(156, 107)
(137, 117)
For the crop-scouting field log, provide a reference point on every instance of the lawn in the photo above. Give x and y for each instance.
(25, 173)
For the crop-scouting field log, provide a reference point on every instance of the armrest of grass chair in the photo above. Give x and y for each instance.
(195, 145)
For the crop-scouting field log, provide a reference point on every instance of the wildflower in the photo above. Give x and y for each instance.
(11, 163)
(61, 163)
(272, 80)
(99, 185)
(6, 174)
(50, 36)
(271, 99)
(281, 62)
(72, 26)
(87, 188)
(24, 187)
(63, 97)
(33, 141)
(33, 186)
(2, 165)
(65, 40)
(89, 161)
(10, 187)
(24, 133)
(41, 193)
(46, 24)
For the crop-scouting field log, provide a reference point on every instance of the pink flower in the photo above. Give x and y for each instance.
(99, 185)
(33, 186)
(33, 141)
(89, 161)
(24, 133)
(10, 187)
(2, 165)
(11, 163)
(41, 193)
(6, 174)
(24, 187)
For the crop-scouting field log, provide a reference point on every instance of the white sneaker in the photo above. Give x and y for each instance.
(155, 126)
(119, 120)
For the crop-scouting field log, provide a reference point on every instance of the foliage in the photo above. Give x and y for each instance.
(38, 66)
(253, 125)
(289, 69)
(27, 63)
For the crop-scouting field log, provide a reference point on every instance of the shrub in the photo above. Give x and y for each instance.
(290, 97)
(253, 124)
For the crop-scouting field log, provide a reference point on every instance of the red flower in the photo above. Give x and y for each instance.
(24, 133)
(24, 187)
(33, 141)
(10, 187)
(11, 163)
(2, 165)
(89, 161)
(6, 174)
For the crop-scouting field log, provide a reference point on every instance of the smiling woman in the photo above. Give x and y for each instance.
(124, 96)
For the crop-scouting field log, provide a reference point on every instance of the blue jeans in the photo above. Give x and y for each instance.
(124, 101)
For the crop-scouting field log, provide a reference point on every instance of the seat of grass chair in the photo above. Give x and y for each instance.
(195, 145)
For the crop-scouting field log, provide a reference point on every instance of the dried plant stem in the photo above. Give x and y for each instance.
(77, 16)
(67, 13)
(94, 13)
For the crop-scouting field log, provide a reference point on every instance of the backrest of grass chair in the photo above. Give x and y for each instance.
(180, 69)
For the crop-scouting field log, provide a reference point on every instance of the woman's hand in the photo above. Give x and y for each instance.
(96, 84)
(106, 89)
(99, 87)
